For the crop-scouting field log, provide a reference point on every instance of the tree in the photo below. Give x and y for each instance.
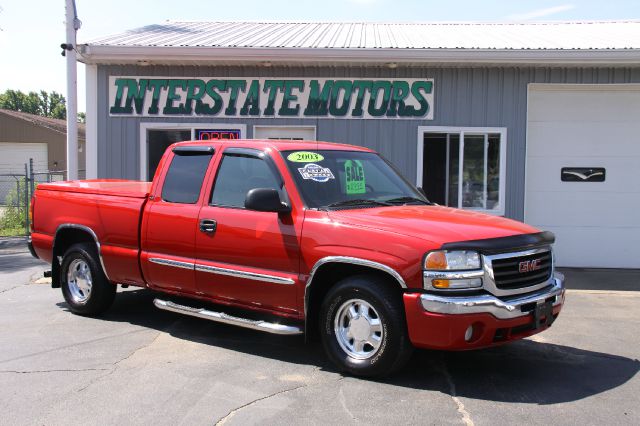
(46, 104)
(18, 101)
(52, 105)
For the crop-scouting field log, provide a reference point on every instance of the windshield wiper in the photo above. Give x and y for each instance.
(358, 202)
(406, 200)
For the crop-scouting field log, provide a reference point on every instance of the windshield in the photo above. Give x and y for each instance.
(348, 179)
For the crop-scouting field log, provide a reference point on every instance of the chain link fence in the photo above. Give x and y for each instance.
(14, 204)
(16, 190)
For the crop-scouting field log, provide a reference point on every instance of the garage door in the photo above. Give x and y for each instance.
(583, 172)
(14, 155)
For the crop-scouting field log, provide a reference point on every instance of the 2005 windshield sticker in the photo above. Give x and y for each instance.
(316, 173)
(354, 173)
(304, 157)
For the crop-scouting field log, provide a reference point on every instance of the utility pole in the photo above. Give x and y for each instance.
(69, 50)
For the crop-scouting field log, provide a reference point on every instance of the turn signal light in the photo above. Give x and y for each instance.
(457, 260)
(436, 260)
(440, 283)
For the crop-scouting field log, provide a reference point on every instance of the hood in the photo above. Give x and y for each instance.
(433, 223)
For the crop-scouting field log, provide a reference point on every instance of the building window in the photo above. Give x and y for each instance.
(155, 138)
(295, 133)
(464, 167)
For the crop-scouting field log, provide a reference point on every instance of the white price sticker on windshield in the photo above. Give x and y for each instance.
(315, 173)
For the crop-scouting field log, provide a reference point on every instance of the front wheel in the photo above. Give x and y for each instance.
(84, 285)
(363, 326)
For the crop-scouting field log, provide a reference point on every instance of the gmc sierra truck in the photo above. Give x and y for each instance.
(304, 237)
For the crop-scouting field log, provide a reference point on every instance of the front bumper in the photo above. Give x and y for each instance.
(437, 321)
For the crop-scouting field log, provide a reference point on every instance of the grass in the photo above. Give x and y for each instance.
(12, 232)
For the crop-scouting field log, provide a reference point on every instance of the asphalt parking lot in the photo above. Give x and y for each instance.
(140, 365)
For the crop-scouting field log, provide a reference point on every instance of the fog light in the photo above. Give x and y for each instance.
(468, 334)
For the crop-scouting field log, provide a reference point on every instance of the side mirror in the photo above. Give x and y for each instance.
(265, 200)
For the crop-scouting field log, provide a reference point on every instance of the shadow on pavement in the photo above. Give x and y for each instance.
(16, 262)
(602, 279)
(525, 371)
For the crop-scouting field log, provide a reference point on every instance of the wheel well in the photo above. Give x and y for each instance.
(65, 238)
(325, 278)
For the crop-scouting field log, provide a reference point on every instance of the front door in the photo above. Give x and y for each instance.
(243, 256)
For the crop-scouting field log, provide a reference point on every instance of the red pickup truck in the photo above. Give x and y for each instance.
(303, 237)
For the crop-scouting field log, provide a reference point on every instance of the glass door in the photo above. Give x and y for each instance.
(158, 141)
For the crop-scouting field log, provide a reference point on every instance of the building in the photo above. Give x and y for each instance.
(26, 136)
(537, 122)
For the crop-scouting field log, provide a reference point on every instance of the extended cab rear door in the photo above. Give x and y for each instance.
(244, 256)
(170, 219)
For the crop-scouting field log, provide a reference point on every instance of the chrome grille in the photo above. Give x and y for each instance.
(507, 273)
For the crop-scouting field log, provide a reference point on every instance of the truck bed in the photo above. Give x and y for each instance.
(110, 209)
(112, 187)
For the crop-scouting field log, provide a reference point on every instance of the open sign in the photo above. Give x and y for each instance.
(216, 134)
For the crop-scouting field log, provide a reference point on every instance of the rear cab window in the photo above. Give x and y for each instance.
(184, 179)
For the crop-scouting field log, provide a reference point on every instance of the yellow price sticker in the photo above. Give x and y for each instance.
(304, 157)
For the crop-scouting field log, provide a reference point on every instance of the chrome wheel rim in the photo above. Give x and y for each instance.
(358, 329)
(79, 281)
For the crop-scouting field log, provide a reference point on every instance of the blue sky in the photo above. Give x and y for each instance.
(31, 31)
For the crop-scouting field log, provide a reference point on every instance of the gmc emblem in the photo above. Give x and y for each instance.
(529, 266)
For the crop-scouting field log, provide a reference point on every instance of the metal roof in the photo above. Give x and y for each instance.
(333, 35)
(317, 38)
(54, 124)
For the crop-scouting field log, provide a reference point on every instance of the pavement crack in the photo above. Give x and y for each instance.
(86, 342)
(343, 402)
(52, 371)
(466, 417)
(138, 349)
(231, 413)
(116, 364)
(9, 289)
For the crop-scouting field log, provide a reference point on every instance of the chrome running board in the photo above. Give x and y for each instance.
(259, 325)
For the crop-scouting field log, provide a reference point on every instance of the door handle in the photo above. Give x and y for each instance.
(208, 226)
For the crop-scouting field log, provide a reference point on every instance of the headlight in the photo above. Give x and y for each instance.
(452, 260)
(453, 270)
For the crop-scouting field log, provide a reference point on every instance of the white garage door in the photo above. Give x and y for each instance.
(583, 129)
(13, 156)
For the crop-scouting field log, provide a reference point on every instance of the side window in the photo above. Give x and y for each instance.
(185, 176)
(237, 175)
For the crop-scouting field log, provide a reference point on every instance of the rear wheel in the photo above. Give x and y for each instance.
(363, 326)
(84, 284)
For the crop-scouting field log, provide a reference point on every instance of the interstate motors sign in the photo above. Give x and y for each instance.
(264, 97)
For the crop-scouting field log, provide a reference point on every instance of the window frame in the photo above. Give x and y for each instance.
(191, 126)
(461, 131)
(251, 153)
(266, 127)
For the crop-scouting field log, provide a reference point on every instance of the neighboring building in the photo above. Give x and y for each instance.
(537, 122)
(24, 136)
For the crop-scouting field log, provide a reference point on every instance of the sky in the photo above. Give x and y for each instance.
(31, 31)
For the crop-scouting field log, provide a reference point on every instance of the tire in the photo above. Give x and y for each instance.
(365, 308)
(84, 284)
